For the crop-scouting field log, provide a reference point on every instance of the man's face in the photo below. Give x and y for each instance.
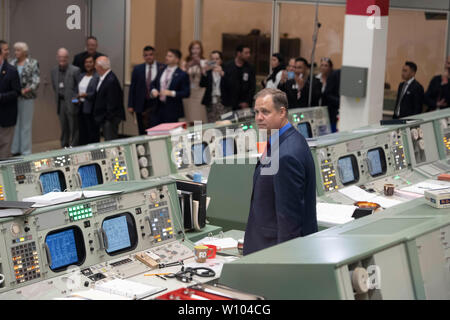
(324, 67)
(300, 68)
(216, 58)
(407, 73)
(63, 58)
(245, 54)
(291, 65)
(4, 51)
(447, 64)
(267, 116)
(149, 56)
(91, 46)
(171, 59)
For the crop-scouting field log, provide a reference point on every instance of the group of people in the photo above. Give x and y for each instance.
(411, 96)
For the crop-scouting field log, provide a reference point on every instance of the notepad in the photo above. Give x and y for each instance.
(423, 186)
(357, 194)
(334, 213)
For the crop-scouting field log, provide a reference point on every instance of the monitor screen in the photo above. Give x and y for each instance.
(376, 162)
(52, 181)
(120, 233)
(228, 147)
(200, 153)
(348, 169)
(91, 175)
(65, 248)
(305, 129)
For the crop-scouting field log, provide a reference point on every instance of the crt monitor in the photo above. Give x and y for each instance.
(228, 146)
(305, 129)
(65, 247)
(376, 161)
(90, 175)
(119, 233)
(200, 153)
(348, 169)
(52, 181)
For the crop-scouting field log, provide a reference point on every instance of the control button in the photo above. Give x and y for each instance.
(92, 249)
(27, 229)
(143, 234)
(142, 227)
(91, 241)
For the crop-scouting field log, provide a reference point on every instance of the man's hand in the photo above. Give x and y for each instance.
(167, 93)
(284, 76)
(444, 78)
(131, 110)
(244, 105)
(301, 82)
(25, 91)
(441, 103)
(155, 93)
(219, 70)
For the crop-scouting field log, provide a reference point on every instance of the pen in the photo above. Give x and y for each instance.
(157, 274)
(161, 277)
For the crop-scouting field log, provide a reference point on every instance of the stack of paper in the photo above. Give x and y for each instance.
(334, 213)
(423, 186)
(167, 129)
(357, 194)
(15, 208)
(129, 289)
(53, 198)
(221, 244)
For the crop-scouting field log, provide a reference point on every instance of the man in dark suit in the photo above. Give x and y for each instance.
(65, 85)
(283, 203)
(170, 86)
(140, 100)
(438, 92)
(240, 80)
(331, 97)
(297, 89)
(410, 94)
(9, 91)
(91, 50)
(108, 108)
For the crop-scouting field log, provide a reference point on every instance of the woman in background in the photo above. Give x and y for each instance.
(29, 81)
(277, 65)
(195, 66)
(87, 85)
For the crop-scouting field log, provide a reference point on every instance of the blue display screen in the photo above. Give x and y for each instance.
(50, 182)
(375, 166)
(89, 176)
(63, 249)
(304, 129)
(346, 170)
(116, 230)
(228, 147)
(199, 153)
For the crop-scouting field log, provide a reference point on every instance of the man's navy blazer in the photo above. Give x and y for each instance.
(136, 96)
(9, 92)
(283, 205)
(172, 109)
(109, 100)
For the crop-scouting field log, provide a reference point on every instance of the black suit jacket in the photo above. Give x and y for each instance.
(283, 205)
(240, 84)
(172, 108)
(436, 92)
(207, 82)
(9, 91)
(109, 100)
(331, 96)
(136, 96)
(78, 60)
(290, 88)
(412, 101)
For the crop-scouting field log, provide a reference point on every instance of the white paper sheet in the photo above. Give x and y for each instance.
(386, 202)
(127, 288)
(357, 194)
(423, 186)
(10, 213)
(53, 198)
(225, 243)
(334, 213)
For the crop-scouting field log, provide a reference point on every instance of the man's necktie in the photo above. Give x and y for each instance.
(397, 110)
(165, 85)
(148, 81)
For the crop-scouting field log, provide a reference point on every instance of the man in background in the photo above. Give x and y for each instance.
(410, 94)
(438, 92)
(108, 108)
(140, 100)
(65, 85)
(91, 50)
(240, 80)
(9, 92)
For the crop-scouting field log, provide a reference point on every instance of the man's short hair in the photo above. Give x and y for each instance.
(2, 42)
(303, 60)
(279, 98)
(176, 52)
(219, 53)
(149, 48)
(241, 48)
(91, 38)
(412, 65)
(105, 63)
